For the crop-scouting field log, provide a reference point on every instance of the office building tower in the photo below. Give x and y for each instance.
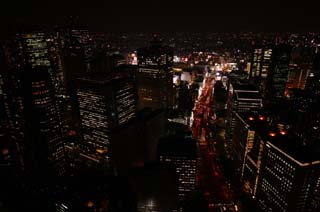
(6, 146)
(32, 109)
(260, 66)
(247, 148)
(154, 77)
(278, 168)
(243, 98)
(278, 74)
(290, 174)
(299, 68)
(181, 153)
(260, 62)
(78, 36)
(313, 79)
(45, 141)
(104, 102)
(45, 49)
(34, 123)
(34, 48)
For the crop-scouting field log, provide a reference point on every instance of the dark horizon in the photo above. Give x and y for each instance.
(165, 16)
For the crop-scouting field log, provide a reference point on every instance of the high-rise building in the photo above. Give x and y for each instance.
(243, 98)
(299, 68)
(6, 146)
(154, 77)
(32, 108)
(182, 153)
(104, 103)
(313, 79)
(45, 144)
(247, 148)
(34, 48)
(278, 74)
(277, 167)
(260, 62)
(290, 174)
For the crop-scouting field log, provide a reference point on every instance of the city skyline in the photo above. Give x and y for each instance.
(98, 120)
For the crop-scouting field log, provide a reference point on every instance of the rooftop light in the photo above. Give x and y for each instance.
(283, 132)
(262, 118)
(251, 118)
(272, 134)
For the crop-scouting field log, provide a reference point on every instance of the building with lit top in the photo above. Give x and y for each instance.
(260, 66)
(247, 148)
(154, 76)
(242, 98)
(290, 174)
(276, 167)
(35, 49)
(260, 62)
(182, 153)
(104, 103)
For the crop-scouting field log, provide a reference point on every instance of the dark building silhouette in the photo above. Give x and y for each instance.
(154, 77)
(44, 145)
(182, 154)
(135, 143)
(313, 79)
(156, 186)
(278, 74)
(89, 190)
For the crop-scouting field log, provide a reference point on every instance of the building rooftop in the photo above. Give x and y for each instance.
(283, 139)
(247, 95)
(177, 146)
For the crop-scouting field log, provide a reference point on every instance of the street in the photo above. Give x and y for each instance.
(210, 179)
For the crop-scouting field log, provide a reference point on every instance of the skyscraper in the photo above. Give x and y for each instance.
(154, 77)
(104, 103)
(260, 66)
(247, 148)
(243, 98)
(260, 62)
(279, 169)
(278, 74)
(181, 153)
(45, 144)
(32, 109)
(313, 79)
(290, 174)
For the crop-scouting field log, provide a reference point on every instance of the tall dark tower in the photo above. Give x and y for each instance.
(313, 80)
(278, 74)
(154, 76)
(44, 139)
(31, 106)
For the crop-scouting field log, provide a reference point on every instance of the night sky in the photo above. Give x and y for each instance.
(168, 16)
